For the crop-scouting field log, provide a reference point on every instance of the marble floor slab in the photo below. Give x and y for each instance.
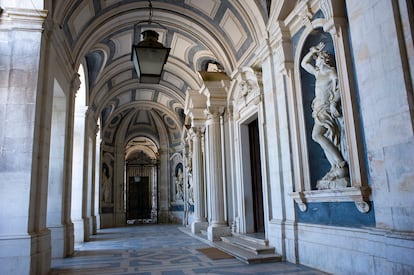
(158, 250)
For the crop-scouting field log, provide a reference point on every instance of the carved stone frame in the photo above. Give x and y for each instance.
(247, 104)
(334, 23)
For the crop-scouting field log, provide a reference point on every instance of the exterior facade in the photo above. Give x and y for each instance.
(293, 119)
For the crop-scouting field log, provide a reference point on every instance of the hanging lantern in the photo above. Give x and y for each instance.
(149, 57)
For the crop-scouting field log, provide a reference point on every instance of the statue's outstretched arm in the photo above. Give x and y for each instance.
(306, 61)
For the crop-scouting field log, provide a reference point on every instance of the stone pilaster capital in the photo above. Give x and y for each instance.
(215, 90)
(197, 132)
(197, 115)
(214, 112)
(283, 56)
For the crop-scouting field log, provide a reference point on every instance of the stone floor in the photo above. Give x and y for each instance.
(157, 249)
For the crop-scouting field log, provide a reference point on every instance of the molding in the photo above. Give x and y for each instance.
(359, 195)
(22, 19)
(213, 76)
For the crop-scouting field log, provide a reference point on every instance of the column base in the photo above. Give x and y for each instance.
(57, 234)
(86, 229)
(40, 257)
(214, 233)
(196, 227)
(78, 231)
(94, 229)
(25, 253)
(70, 239)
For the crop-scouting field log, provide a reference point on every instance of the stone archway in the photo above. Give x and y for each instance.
(141, 181)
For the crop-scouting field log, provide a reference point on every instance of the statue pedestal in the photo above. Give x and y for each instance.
(214, 233)
(196, 227)
(332, 184)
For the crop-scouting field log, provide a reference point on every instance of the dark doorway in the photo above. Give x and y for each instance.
(256, 172)
(139, 206)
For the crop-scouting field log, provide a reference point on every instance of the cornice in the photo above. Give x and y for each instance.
(22, 19)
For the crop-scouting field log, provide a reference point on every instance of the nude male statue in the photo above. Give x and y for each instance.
(326, 110)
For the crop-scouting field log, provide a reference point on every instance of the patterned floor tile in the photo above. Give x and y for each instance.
(157, 250)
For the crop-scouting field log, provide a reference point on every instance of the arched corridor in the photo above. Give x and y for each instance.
(284, 127)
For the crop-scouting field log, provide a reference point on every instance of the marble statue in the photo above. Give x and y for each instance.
(326, 113)
(190, 192)
(106, 186)
(249, 81)
(179, 195)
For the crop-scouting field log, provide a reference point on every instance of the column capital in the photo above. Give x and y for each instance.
(198, 117)
(214, 112)
(215, 88)
(197, 132)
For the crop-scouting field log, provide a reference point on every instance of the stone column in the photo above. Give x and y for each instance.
(163, 189)
(69, 226)
(199, 222)
(96, 180)
(184, 142)
(78, 173)
(215, 91)
(24, 153)
(218, 225)
(87, 179)
(118, 187)
(154, 195)
(90, 209)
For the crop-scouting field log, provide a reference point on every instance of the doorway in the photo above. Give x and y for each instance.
(256, 176)
(138, 200)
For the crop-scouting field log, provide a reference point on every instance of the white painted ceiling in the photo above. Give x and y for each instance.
(99, 34)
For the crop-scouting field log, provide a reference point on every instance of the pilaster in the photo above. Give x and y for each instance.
(24, 238)
(70, 228)
(195, 110)
(216, 85)
(200, 222)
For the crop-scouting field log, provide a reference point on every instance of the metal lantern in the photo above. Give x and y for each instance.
(149, 57)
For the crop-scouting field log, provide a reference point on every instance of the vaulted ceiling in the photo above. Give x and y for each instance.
(99, 35)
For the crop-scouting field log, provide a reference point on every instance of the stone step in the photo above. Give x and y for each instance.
(252, 238)
(238, 252)
(254, 246)
(245, 255)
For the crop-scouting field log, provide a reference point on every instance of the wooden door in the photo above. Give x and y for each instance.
(256, 172)
(139, 204)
